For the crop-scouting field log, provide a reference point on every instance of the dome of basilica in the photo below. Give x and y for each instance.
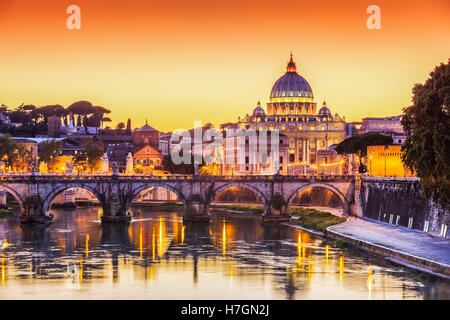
(291, 84)
(258, 111)
(324, 110)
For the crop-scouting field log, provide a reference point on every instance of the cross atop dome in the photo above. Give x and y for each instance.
(291, 67)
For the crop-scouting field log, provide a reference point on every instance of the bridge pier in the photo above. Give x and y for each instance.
(276, 210)
(196, 210)
(276, 217)
(32, 212)
(115, 211)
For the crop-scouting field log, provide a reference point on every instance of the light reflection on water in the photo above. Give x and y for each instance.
(159, 257)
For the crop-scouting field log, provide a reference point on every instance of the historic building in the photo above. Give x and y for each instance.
(146, 135)
(292, 110)
(274, 161)
(147, 159)
(386, 161)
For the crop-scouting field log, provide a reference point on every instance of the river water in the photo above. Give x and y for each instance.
(159, 257)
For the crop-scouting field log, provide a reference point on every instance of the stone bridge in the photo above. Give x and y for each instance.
(115, 193)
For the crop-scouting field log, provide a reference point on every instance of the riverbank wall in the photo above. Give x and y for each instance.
(399, 201)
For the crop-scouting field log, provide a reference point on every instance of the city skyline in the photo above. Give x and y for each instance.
(176, 62)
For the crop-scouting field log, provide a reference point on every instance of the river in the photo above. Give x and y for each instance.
(158, 257)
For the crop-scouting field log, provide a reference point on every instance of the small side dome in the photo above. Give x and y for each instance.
(324, 110)
(258, 111)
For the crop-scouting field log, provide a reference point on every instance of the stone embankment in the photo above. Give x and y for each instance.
(399, 245)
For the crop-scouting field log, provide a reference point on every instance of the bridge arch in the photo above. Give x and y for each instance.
(46, 205)
(249, 187)
(339, 194)
(15, 194)
(136, 191)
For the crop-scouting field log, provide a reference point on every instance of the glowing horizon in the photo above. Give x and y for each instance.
(173, 62)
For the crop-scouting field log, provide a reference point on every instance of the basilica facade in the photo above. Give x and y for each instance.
(311, 135)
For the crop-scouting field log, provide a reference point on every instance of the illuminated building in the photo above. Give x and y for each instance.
(386, 162)
(147, 159)
(329, 162)
(271, 165)
(292, 110)
(390, 126)
(146, 135)
(382, 124)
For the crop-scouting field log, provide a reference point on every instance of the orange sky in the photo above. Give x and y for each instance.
(173, 62)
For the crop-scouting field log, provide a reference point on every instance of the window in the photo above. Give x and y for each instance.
(291, 143)
(292, 157)
(281, 159)
(247, 160)
(312, 128)
(263, 158)
(246, 168)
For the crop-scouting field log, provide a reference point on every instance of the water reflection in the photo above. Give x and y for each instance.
(159, 257)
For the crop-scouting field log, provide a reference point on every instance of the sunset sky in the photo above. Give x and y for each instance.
(173, 62)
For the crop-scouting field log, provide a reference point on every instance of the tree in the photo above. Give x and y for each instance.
(128, 130)
(23, 157)
(427, 125)
(98, 114)
(49, 153)
(358, 145)
(120, 126)
(8, 150)
(79, 162)
(47, 111)
(82, 109)
(94, 152)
